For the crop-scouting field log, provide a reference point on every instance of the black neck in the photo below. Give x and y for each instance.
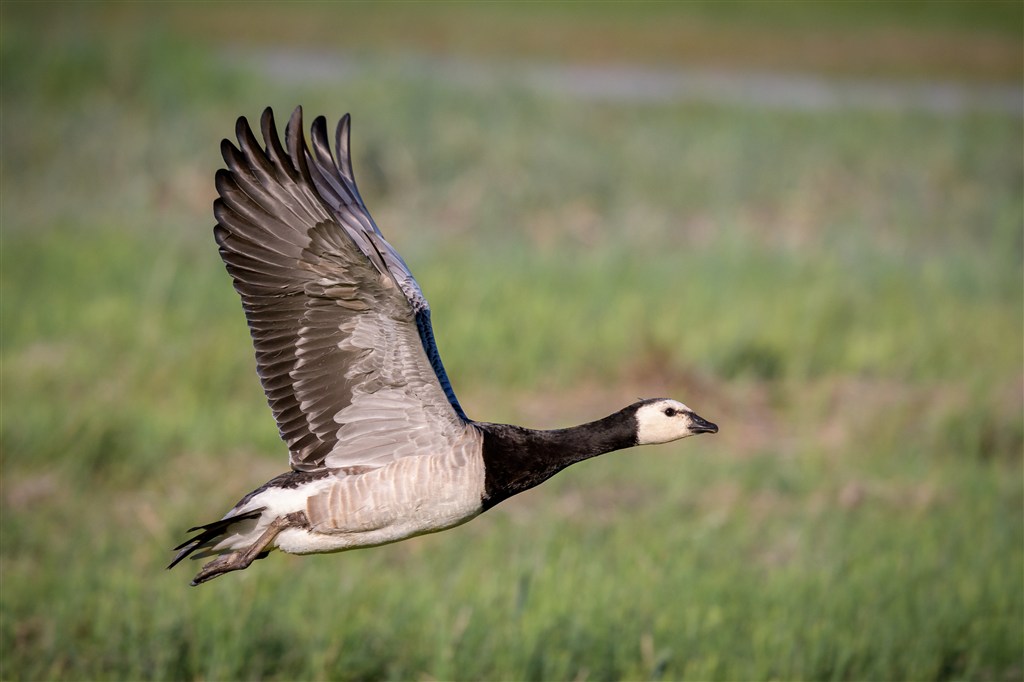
(517, 459)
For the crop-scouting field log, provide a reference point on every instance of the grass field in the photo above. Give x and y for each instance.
(840, 291)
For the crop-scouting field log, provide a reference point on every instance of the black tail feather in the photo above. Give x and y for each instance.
(210, 532)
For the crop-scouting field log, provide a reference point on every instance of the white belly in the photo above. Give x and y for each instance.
(410, 496)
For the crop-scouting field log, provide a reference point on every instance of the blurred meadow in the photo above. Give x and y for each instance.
(601, 202)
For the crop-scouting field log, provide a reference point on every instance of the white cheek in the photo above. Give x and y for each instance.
(660, 430)
(653, 426)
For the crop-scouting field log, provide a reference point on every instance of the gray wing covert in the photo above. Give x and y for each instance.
(332, 309)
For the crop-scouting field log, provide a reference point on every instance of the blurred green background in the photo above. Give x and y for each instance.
(802, 219)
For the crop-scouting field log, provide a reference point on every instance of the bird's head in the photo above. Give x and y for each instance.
(662, 420)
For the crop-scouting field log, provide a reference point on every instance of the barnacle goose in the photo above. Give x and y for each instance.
(380, 448)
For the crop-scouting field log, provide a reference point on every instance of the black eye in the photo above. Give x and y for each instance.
(670, 412)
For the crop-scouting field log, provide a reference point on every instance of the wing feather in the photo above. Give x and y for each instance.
(349, 368)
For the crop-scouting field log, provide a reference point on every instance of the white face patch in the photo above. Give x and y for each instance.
(663, 421)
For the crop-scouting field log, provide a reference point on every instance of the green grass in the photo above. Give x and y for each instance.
(840, 291)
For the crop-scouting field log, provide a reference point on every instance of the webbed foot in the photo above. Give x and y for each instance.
(240, 559)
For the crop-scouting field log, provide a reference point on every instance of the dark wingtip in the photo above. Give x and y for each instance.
(295, 120)
(296, 141)
(242, 128)
(342, 146)
(228, 151)
(267, 123)
(268, 114)
(344, 129)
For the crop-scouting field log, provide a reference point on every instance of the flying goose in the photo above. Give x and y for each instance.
(380, 448)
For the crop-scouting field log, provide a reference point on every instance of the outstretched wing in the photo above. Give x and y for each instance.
(344, 347)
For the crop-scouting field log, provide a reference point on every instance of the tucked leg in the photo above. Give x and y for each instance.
(240, 559)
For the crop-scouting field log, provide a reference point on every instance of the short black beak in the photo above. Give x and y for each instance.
(699, 424)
